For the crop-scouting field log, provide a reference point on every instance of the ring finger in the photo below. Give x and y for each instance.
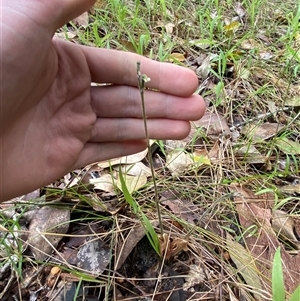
(121, 129)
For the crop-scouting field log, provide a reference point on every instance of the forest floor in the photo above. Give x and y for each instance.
(228, 194)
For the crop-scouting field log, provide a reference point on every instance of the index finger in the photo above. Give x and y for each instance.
(118, 67)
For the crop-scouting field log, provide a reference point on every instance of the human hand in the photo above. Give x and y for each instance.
(53, 121)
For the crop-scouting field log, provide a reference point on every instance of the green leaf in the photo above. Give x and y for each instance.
(202, 43)
(296, 295)
(288, 146)
(278, 289)
(129, 199)
(149, 230)
(151, 234)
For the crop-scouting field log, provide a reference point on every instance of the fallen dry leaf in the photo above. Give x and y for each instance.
(124, 248)
(240, 11)
(216, 154)
(82, 20)
(266, 75)
(183, 209)
(293, 101)
(250, 44)
(262, 132)
(292, 189)
(283, 225)
(170, 247)
(297, 225)
(242, 72)
(135, 169)
(126, 159)
(215, 124)
(129, 46)
(244, 194)
(68, 35)
(169, 29)
(250, 154)
(204, 69)
(93, 256)
(104, 183)
(201, 157)
(99, 4)
(195, 276)
(265, 55)
(232, 27)
(170, 145)
(178, 161)
(176, 56)
(111, 205)
(65, 291)
(245, 264)
(263, 245)
(133, 183)
(45, 221)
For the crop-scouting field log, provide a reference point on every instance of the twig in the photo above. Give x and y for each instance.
(142, 79)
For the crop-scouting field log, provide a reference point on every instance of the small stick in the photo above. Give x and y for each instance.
(142, 80)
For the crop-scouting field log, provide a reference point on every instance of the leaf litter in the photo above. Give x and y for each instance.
(229, 192)
(46, 229)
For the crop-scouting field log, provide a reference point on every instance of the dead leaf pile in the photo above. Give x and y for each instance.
(255, 213)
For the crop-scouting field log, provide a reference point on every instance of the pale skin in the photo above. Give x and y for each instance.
(52, 121)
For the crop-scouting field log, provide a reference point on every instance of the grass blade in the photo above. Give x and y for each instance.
(129, 199)
(296, 295)
(278, 290)
(149, 230)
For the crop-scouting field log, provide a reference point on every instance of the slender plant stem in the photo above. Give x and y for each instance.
(142, 79)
